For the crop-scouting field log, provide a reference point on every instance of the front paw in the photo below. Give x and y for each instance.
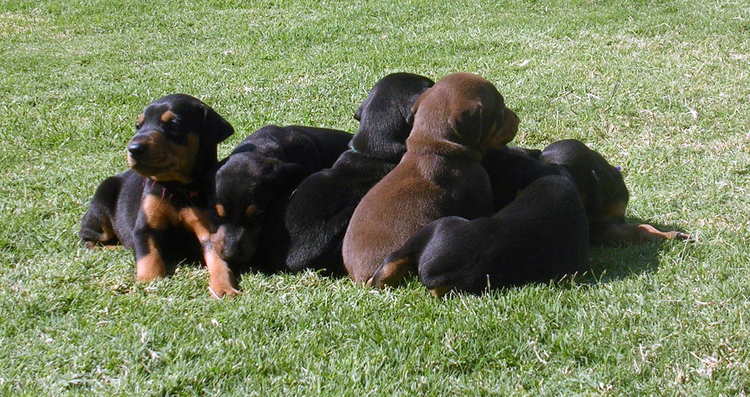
(221, 289)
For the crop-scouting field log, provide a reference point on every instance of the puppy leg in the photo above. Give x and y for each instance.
(401, 262)
(632, 233)
(149, 263)
(222, 281)
(96, 231)
(96, 225)
(390, 272)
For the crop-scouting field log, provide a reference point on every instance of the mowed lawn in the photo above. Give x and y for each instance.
(661, 88)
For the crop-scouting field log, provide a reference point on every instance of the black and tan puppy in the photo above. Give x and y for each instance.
(604, 194)
(253, 186)
(319, 211)
(541, 235)
(159, 206)
(440, 174)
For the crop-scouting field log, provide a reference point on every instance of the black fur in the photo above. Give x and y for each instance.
(261, 174)
(541, 235)
(319, 211)
(115, 214)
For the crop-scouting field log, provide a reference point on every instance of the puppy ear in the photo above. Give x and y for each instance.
(215, 125)
(509, 126)
(467, 125)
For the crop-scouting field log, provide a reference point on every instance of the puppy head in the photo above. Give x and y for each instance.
(464, 109)
(246, 185)
(173, 135)
(385, 117)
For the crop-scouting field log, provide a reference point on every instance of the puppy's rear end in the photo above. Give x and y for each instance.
(541, 235)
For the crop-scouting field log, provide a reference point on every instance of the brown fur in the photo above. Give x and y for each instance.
(160, 214)
(150, 266)
(455, 121)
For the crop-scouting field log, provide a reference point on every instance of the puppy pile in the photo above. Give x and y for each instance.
(427, 186)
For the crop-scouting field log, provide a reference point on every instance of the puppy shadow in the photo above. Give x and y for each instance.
(611, 262)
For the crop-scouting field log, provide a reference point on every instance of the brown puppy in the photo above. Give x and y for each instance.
(455, 121)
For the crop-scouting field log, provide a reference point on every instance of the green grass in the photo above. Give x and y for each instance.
(661, 88)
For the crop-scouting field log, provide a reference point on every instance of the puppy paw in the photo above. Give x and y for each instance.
(219, 291)
(675, 235)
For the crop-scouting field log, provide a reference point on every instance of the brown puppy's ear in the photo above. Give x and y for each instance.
(505, 130)
(509, 128)
(468, 125)
(215, 126)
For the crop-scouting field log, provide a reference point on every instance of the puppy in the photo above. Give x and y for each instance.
(254, 184)
(439, 175)
(319, 211)
(542, 234)
(158, 208)
(511, 169)
(604, 194)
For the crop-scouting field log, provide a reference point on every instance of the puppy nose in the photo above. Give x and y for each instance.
(136, 149)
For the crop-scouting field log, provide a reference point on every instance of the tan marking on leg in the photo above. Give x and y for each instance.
(221, 278)
(636, 234)
(649, 232)
(196, 220)
(221, 281)
(439, 291)
(390, 273)
(151, 266)
(108, 233)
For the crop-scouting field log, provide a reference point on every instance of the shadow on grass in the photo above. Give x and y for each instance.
(615, 262)
(607, 263)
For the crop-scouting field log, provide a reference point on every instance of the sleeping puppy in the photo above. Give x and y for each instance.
(159, 208)
(319, 211)
(541, 235)
(253, 185)
(440, 174)
(604, 194)
(511, 169)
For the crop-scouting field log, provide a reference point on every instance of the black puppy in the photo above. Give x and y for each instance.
(319, 212)
(604, 194)
(541, 235)
(159, 206)
(511, 169)
(253, 186)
